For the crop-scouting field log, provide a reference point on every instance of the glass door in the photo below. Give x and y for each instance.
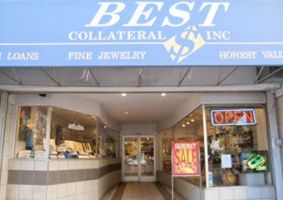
(138, 158)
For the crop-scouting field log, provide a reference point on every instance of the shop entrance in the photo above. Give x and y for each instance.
(138, 158)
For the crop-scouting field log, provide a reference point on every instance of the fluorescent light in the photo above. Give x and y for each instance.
(124, 94)
(163, 94)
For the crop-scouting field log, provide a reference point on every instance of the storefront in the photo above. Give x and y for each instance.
(235, 152)
(53, 142)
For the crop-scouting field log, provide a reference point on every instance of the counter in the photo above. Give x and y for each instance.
(35, 179)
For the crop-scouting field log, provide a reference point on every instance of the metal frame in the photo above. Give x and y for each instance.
(139, 177)
(205, 145)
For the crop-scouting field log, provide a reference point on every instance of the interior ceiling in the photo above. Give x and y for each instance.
(141, 107)
(150, 107)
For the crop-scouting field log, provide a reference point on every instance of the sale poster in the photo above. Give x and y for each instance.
(185, 158)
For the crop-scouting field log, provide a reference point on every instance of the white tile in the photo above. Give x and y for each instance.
(52, 191)
(15, 164)
(63, 165)
(267, 192)
(27, 165)
(73, 164)
(3, 190)
(4, 177)
(71, 197)
(254, 193)
(5, 163)
(39, 192)
(80, 196)
(41, 165)
(211, 194)
(7, 148)
(71, 188)
(25, 192)
(62, 190)
(80, 187)
(53, 165)
(240, 193)
(226, 194)
(82, 164)
(13, 191)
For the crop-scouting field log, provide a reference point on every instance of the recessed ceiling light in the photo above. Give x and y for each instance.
(126, 113)
(183, 125)
(187, 122)
(163, 94)
(192, 120)
(124, 94)
(105, 126)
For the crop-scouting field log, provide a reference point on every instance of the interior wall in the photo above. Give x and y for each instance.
(67, 101)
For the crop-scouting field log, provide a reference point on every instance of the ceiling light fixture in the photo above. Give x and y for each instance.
(163, 94)
(105, 126)
(192, 120)
(124, 94)
(126, 113)
(76, 127)
(183, 125)
(187, 122)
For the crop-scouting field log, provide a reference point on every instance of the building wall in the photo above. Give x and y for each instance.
(279, 108)
(8, 147)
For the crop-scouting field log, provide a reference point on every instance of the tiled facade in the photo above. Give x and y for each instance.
(61, 179)
(8, 148)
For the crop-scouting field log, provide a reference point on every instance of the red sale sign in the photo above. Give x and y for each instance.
(185, 158)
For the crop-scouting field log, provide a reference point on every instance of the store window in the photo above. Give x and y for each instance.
(237, 147)
(166, 142)
(78, 135)
(188, 129)
(31, 132)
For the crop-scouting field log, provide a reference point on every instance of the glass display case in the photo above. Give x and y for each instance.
(31, 132)
(72, 135)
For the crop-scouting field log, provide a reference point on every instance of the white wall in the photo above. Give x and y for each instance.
(196, 99)
(66, 101)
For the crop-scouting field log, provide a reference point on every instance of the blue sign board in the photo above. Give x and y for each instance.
(141, 33)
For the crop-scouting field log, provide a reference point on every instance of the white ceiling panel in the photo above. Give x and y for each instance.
(6, 80)
(117, 77)
(74, 76)
(29, 76)
(202, 76)
(241, 75)
(141, 107)
(162, 76)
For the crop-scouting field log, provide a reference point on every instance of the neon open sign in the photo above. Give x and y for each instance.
(238, 117)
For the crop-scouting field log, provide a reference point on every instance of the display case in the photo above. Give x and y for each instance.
(68, 134)
(31, 132)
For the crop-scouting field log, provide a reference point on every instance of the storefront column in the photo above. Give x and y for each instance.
(3, 112)
(275, 148)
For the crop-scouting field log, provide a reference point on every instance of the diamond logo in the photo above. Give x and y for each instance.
(185, 44)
